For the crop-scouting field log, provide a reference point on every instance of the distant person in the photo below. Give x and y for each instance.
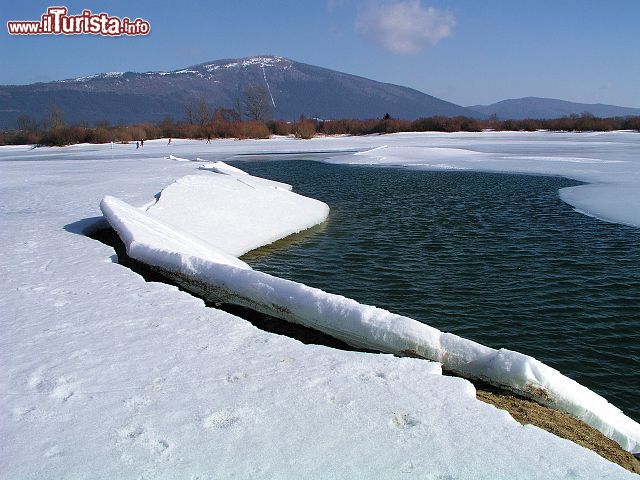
(137, 145)
(169, 142)
(209, 138)
(141, 142)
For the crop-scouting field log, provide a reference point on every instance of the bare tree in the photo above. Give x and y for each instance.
(189, 112)
(55, 117)
(237, 104)
(256, 103)
(25, 123)
(229, 115)
(203, 112)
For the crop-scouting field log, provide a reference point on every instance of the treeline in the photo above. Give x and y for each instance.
(575, 123)
(226, 123)
(223, 123)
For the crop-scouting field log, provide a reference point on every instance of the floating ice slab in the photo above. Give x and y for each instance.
(235, 214)
(359, 325)
(138, 230)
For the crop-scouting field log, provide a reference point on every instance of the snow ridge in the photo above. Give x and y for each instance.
(260, 61)
(92, 77)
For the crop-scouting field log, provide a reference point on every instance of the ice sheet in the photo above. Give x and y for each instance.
(236, 213)
(618, 202)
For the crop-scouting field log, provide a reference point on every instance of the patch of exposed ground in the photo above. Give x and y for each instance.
(557, 422)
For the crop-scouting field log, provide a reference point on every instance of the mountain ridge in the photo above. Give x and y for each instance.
(542, 108)
(295, 89)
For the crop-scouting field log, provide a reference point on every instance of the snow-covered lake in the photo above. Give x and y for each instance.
(107, 376)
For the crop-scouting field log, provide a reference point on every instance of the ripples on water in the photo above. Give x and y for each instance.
(499, 259)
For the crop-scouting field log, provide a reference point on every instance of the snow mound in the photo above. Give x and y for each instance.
(235, 217)
(408, 155)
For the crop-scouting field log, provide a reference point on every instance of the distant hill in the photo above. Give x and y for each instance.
(295, 88)
(535, 107)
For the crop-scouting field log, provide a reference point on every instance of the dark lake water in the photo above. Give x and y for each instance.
(498, 259)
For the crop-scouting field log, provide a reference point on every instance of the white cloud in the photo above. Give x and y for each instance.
(403, 26)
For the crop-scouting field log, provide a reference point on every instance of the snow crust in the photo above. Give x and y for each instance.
(104, 375)
(221, 167)
(177, 159)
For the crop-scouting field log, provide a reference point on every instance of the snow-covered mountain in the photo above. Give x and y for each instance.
(295, 89)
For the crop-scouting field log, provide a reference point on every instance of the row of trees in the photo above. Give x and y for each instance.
(201, 122)
(575, 123)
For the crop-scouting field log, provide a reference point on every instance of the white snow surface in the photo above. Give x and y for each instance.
(140, 233)
(104, 375)
(236, 214)
(177, 159)
(261, 61)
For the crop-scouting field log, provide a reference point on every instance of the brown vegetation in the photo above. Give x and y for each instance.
(201, 122)
(304, 129)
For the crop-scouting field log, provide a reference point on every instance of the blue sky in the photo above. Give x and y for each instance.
(467, 51)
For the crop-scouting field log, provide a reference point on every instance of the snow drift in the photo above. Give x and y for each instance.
(201, 224)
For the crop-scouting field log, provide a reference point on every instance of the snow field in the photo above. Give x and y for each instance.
(107, 376)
